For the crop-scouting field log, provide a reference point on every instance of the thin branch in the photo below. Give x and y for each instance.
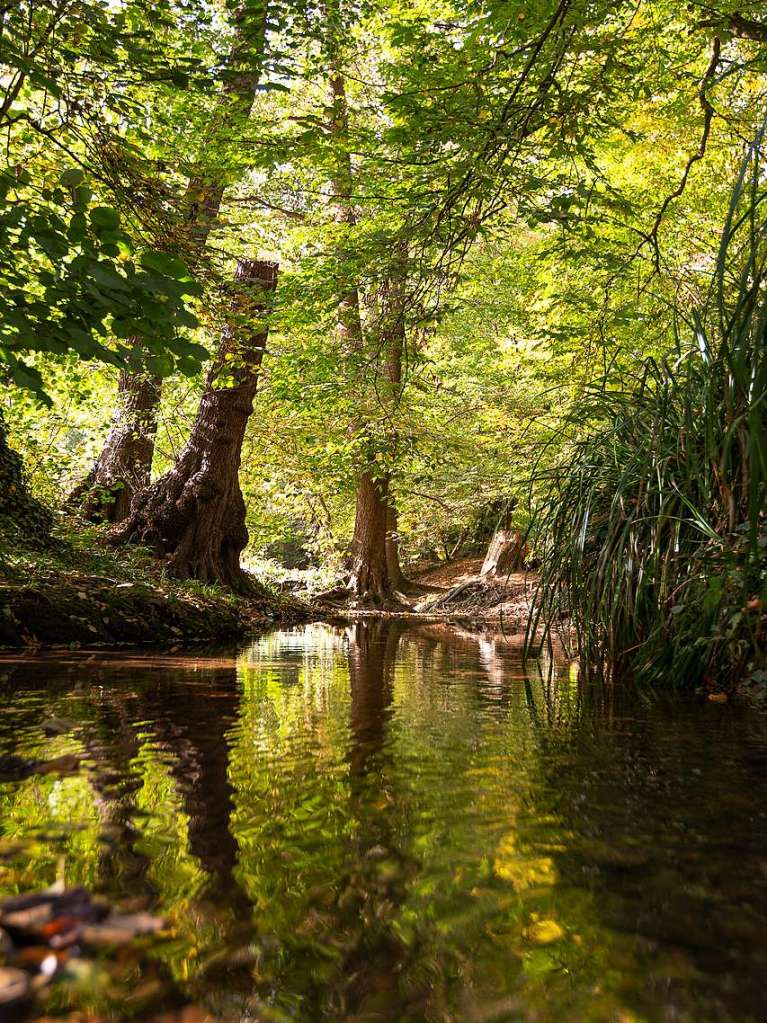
(708, 116)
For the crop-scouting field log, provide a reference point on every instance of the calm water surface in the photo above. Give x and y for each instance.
(391, 823)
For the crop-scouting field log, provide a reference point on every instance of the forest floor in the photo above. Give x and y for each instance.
(77, 592)
(451, 590)
(464, 594)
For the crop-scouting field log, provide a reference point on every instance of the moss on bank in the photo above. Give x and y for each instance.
(75, 591)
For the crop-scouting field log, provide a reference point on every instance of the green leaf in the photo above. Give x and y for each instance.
(164, 263)
(161, 365)
(105, 218)
(72, 178)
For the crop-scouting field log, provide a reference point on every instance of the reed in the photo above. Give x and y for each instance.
(653, 533)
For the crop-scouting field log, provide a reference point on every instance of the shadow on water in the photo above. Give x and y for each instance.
(394, 822)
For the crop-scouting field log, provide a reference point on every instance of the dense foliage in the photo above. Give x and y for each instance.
(654, 532)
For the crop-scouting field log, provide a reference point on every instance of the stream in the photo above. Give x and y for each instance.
(389, 822)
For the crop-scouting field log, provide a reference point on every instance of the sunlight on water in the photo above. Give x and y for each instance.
(396, 823)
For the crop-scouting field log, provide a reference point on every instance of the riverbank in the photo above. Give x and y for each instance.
(451, 591)
(77, 592)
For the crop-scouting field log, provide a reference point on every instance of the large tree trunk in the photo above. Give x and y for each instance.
(194, 515)
(369, 580)
(19, 512)
(124, 466)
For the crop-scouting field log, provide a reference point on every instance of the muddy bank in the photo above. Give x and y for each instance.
(85, 610)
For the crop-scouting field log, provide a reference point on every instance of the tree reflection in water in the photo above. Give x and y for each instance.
(384, 822)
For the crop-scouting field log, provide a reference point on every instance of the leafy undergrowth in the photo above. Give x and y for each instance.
(75, 590)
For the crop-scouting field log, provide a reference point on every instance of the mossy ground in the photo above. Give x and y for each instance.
(75, 590)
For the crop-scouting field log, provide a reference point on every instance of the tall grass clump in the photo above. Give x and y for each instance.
(654, 532)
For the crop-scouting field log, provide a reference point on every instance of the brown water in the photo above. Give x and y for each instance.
(390, 823)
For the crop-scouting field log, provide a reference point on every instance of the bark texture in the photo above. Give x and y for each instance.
(194, 515)
(397, 578)
(369, 580)
(375, 572)
(19, 511)
(124, 466)
(506, 553)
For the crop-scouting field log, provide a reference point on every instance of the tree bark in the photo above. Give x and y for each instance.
(124, 466)
(505, 553)
(371, 545)
(194, 515)
(369, 580)
(397, 578)
(376, 569)
(19, 512)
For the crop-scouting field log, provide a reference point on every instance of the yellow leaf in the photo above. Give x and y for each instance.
(545, 932)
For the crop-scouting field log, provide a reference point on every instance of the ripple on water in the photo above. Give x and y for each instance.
(387, 822)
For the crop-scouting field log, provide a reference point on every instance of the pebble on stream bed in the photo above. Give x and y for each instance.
(43, 933)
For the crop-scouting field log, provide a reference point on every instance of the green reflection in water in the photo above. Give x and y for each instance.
(383, 822)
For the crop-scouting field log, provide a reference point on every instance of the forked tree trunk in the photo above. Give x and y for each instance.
(194, 515)
(124, 466)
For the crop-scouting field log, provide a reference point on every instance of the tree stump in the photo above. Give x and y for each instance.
(506, 553)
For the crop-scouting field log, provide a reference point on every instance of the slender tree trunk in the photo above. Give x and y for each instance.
(194, 515)
(124, 466)
(397, 577)
(372, 544)
(369, 579)
(125, 463)
(375, 551)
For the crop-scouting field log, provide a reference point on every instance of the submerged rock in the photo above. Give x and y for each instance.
(44, 934)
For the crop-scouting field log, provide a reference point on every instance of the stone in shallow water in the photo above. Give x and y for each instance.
(14, 988)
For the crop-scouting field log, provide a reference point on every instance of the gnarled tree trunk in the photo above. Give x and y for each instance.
(124, 466)
(194, 515)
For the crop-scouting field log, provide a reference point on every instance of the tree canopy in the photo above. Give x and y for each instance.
(480, 209)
